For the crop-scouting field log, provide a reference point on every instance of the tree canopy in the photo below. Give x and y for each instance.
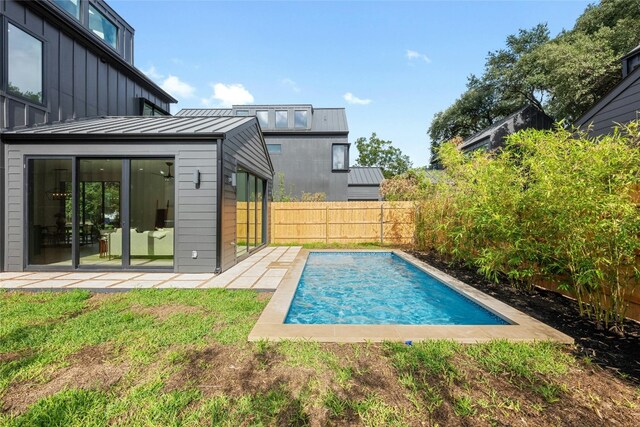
(562, 76)
(381, 153)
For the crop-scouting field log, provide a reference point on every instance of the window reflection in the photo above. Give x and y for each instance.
(103, 27)
(24, 64)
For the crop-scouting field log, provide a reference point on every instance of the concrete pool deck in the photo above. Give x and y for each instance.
(271, 326)
(262, 270)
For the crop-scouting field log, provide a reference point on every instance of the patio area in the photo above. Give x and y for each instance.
(263, 270)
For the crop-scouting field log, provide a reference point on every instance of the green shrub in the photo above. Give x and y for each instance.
(550, 206)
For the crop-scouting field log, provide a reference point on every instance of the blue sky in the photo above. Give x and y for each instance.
(392, 64)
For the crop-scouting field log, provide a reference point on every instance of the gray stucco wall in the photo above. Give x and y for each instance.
(195, 213)
(312, 172)
(243, 148)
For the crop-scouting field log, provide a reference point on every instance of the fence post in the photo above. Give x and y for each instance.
(326, 224)
(382, 223)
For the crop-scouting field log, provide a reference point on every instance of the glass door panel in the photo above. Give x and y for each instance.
(259, 203)
(251, 239)
(50, 215)
(152, 213)
(99, 237)
(242, 218)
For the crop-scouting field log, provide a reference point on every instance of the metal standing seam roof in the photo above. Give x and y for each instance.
(323, 119)
(360, 175)
(138, 125)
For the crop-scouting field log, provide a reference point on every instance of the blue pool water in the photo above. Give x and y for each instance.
(377, 288)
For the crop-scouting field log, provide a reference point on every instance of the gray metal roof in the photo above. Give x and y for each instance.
(151, 126)
(360, 175)
(323, 119)
(205, 112)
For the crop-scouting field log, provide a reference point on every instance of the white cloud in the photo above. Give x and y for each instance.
(153, 73)
(412, 54)
(352, 99)
(290, 84)
(177, 87)
(226, 95)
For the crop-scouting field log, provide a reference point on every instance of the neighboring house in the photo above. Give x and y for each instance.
(88, 182)
(493, 136)
(621, 105)
(309, 146)
(364, 183)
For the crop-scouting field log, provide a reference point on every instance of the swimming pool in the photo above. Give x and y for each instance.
(378, 288)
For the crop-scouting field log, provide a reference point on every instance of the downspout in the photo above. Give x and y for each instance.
(219, 204)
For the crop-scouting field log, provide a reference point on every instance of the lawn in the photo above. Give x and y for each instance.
(180, 357)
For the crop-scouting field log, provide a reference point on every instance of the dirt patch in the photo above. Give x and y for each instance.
(89, 369)
(264, 295)
(606, 348)
(163, 312)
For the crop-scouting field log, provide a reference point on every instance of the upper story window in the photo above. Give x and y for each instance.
(263, 118)
(282, 119)
(242, 112)
(150, 109)
(340, 157)
(274, 148)
(102, 27)
(24, 64)
(300, 119)
(72, 7)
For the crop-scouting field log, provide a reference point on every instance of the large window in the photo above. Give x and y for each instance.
(119, 225)
(340, 157)
(282, 119)
(24, 65)
(263, 118)
(300, 117)
(72, 7)
(102, 27)
(50, 212)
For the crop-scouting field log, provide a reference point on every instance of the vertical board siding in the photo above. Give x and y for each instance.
(75, 78)
(343, 222)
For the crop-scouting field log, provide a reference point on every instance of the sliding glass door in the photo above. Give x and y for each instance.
(124, 210)
(249, 212)
(99, 234)
(50, 222)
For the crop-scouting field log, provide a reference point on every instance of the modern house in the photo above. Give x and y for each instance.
(309, 149)
(621, 105)
(95, 174)
(493, 136)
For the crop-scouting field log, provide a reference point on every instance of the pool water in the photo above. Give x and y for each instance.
(365, 288)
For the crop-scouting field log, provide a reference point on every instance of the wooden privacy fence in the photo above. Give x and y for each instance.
(342, 222)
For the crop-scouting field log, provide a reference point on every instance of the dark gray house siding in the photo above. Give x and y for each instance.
(82, 76)
(304, 163)
(493, 137)
(621, 105)
(243, 148)
(194, 143)
(364, 183)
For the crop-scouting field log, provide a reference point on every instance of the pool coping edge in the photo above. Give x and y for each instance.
(270, 325)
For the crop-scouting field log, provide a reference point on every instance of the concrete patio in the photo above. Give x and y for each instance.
(263, 270)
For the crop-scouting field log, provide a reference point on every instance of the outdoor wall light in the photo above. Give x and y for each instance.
(196, 178)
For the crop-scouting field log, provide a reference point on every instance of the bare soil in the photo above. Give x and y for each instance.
(88, 369)
(609, 349)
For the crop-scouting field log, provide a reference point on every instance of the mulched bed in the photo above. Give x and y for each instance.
(606, 348)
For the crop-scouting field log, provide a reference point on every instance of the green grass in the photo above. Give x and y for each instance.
(183, 359)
